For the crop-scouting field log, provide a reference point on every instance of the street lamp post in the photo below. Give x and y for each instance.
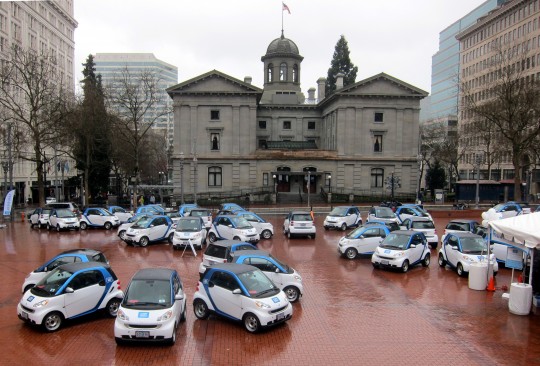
(329, 177)
(182, 177)
(308, 186)
(275, 187)
(196, 180)
(477, 161)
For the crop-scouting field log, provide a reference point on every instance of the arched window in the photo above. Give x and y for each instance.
(214, 176)
(295, 73)
(269, 73)
(283, 72)
(377, 175)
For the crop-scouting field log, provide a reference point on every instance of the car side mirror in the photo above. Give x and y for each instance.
(413, 245)
(361, 237)
(210, 284)
(277, 270)
(179, 297)
(237, 291)
(101, 283)
(152, 225)
(69, 290)
(229, 225)
(453, 247)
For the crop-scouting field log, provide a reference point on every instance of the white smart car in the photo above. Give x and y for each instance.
(264, 228)
(402, 249)
(189, 230)
(343, 217)
(152, 308)
(62, 219)
(232, 227)
(299, 223)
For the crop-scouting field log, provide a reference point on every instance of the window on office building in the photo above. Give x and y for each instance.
(377, 175)
(214, 176)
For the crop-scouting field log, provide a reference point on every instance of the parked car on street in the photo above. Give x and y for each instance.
(511, 208)
(392, 226)
(500, 249)
(410, 210)
(186, 208)
(424, 225)
(62, 219)
(153, 306)
(204, 213)
(39, 217)
(121, 232)
(469, 225)
(343, 217)
(382, 213)
(460, 249)
(402, 249)
(69, 205)
(264, 228)
(233, 228)
(148, 210)
(99, 218)
(150, 230)
(243, 293)
(299, 223)
(120, 212)
(283, 276)
(221, 251)
(362, 240)
(189, 230)
(69, 256)
(70, 291)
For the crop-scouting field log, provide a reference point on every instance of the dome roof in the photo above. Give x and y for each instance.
(282, 45)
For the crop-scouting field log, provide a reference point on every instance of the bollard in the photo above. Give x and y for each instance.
(22, 216)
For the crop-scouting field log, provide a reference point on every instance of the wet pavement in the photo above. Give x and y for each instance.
(350, 313)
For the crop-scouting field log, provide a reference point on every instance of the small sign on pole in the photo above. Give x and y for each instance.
(192, 248)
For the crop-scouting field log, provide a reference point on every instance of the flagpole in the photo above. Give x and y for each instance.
(282, 19)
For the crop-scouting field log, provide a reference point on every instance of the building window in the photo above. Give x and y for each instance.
(283, 72)
(214, 115)
(262, 125)
(286, 125)
(378, 143)
(214, 176)
(214, 141)
(378, 117)
(269, 73)
(295, 73)
(265, 179)
(311, 125)
(263, 144)
(377, 175)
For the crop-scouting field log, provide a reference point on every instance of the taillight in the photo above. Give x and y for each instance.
(197, 287)
(118, 284)
(292, 223)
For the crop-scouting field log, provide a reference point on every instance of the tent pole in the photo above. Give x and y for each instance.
(531, 266)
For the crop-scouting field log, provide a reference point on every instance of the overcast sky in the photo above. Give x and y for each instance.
(397, 37)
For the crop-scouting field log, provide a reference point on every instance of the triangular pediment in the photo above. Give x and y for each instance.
(382, 84)
(214, 82)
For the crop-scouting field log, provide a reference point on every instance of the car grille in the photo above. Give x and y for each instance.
(388, 258)
(141, 326)
(27, 309)
(278, 310)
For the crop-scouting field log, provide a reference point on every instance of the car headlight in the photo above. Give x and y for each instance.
(40, 304)
(298, 278)
(122, 316)
(399, 254)
(165, 316)
(262, 305)
(468, 259)
(197, 236)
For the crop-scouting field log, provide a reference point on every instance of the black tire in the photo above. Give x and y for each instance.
(289, 234)
(170, 238)
(112, 307)
(122, 234)
(495, 273)
(405, 266)
(144, 241)
(266, 234)
(48, 227)
(292, 293)
(375, 265)
(236, 238)
(343, 227)
(200, 309)
(108, 225)
(183, 317)
(57, 227)
(313, 236)
(251, 323)
(427, 260)
(442, 261)
(326, 228)
(171, 341)
(212, 237)
(351, 253)
(52, 321)
(83, 225)
(459, 270)
(120, 341)
(433, 245)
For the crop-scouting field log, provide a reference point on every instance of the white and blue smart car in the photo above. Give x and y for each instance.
(362, 240)
(241, 292)
(402, 249)
(149, 230)
(98, 217)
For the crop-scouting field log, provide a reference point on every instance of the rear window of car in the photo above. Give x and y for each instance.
(461, 226)
(199, 213)
(423, 225)
(216, 251)
(58, 205)
(99, 258)
(302, 217)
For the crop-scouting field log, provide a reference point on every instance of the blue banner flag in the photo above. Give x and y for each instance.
(8, 202)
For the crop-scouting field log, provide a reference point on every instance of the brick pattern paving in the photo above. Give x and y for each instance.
(350, 314)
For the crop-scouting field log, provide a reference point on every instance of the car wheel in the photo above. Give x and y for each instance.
(343, 227)
(292, 293)
(266, 234)
(171, 341)
(112, 307)
(108, 226)
(405, 266)
(183, 316)
(170, 238)
(289, 234)
(426, 260)
(313, 236)
(459, 270)
(433, 245)
(144, 241)
(251, 323)
(200, 309)
(495, 273)
(119, 341)
(122, 234)
(442, 262)
(326, 228)
(38, 225)
(351, 253)
(48, 226)
(83, 225)
(52, 321)
(375, 265)
(212, 238)
(236, 238)
(58, 228)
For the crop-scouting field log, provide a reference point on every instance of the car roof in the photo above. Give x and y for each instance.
(80, 251)
(236, 268)
(153, 274)
(201, 209)
(464, 234)
(406, 232)
(300, 212)
(463, 220)
(77, 266)
(418, 218)
(185, 218)
(228, 243)
(251, 252)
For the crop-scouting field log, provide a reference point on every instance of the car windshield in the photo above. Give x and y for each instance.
(384, 213)
(50, 284)
(422, 211)
(142, 223)
(473, 246)
(65, 214)
(241, 223)
(423, 225)
(46, 211)
(281, 264)
(257, 284)
(119, 209)
(107, 212)
(302, 217)
(354, 234)
(338, 211)
(459, 226)
(148, 294)
(191, 225)
(199, 213)
(395, 241)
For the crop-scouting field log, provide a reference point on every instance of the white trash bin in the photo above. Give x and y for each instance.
(520, 298)
(478, 276)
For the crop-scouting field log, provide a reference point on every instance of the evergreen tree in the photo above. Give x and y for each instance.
(435, 177)
(341, 63)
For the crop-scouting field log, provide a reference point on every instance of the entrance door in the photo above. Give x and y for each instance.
(283, 180)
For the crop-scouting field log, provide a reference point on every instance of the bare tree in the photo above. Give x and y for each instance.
(506, 97)
(35, 100)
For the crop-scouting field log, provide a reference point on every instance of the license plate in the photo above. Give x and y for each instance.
(385, 262)
(302, 225)
(280, 316)
(142, 334)
(24, 315)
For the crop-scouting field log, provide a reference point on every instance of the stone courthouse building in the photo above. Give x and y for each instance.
(230, 134)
